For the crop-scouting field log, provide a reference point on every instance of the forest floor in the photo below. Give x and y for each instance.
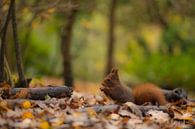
(88, 108)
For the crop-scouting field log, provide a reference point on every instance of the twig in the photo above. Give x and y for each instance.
(8, 72)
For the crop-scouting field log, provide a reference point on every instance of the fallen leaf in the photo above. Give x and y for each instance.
(91, 112)
(4, 106)
(57, 121)
(114, 116)
(178, 127)
(158, 116)
(27, 115)
(22, 94)
(5, 93)
(26, 104)
(189, 109)
(44, 125)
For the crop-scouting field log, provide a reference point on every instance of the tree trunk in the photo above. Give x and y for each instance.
(1, 16)
(3, 43)
(22, 79)
(1, 28)
(66, 37)
(111, 39)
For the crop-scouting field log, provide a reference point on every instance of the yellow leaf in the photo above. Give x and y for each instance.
(44, 125)
(27, 115)
(189, 109)
(91, 112)
(178, 127)
(187, 119)
(26, 104)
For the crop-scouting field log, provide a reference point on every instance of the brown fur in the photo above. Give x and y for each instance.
(148, 93)
(113, 88)
(141, 94)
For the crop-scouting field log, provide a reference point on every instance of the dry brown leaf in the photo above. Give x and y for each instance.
(189, 109)
(5, 90)
(158, 116)
(91, 112)
(178, 127)
(4, 106)
(114, 116)
(22, 94)
(184, 117)
(176, 111)
(57, 121)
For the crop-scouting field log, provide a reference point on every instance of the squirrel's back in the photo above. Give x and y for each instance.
(148, 93)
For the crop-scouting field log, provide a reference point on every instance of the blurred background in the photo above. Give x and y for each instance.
(79, 41)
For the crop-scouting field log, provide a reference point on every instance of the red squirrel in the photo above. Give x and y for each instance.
(141, 94)
(148, 93)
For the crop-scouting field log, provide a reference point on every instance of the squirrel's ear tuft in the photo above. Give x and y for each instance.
(114, 73)
(114, 70)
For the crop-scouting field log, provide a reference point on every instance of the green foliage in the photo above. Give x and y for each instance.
(88, 48)
(174, 71)
(42, 55)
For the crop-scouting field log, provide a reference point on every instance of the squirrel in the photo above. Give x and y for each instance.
(141, 94)
(148, 93)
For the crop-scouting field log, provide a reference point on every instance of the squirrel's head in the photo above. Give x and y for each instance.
(110, 79)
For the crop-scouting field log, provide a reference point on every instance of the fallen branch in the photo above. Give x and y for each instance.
(40, 93)
(175, 94)
(151, 107)
(101, 108)
(114, 107)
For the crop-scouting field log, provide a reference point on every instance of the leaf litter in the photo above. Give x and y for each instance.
(90, 111)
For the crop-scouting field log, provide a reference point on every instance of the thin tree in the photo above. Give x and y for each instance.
(22, 79)
(66, 39)
(3, 43)
(1, 15)
(111, 37)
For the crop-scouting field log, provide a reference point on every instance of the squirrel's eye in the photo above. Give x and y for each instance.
(108, 80)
